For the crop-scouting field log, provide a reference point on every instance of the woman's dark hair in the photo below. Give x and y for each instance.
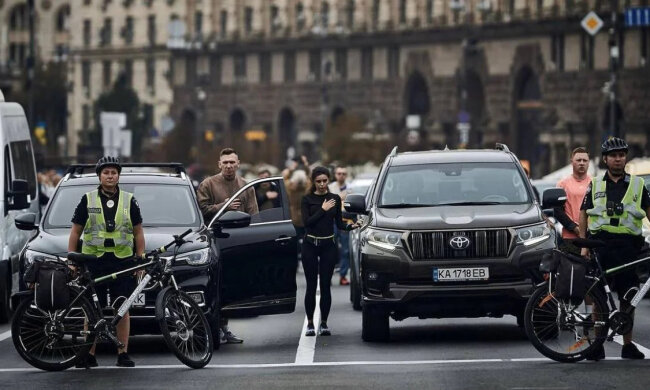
(317, 172)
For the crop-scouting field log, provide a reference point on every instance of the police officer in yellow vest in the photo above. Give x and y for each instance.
(109, 221)
(613, 211)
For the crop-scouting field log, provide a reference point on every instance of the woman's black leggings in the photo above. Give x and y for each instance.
(319, 260)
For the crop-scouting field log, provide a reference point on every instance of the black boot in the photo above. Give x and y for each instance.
(87, 361)
(597, 354)
(630, 351)
(123, 360)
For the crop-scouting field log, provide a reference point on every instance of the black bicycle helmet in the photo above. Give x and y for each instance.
(108, 161)
(613, 144)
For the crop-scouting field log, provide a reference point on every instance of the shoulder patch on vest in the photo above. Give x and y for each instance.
(598, 195)
(94, 210)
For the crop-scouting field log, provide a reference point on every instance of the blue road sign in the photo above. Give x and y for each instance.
(637, 17)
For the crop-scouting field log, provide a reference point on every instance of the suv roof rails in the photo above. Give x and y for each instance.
(502, 147)
(79, 169)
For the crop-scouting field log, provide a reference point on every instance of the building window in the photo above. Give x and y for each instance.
(587, 51)
(366, 63)
(107, 76)
(240, 67)
(248, 20)
(301, 19)
(85, 117)
(17, 53)
(265, 67)
(274, 19)
(429, 11)
(349, 11)
(106, 32)
(557, 51)
(18, 19)
(87, 33)
(402, 11)
(151, 75)
(314, 65)
(324, 14)
(127, 31)
(128, 72)
(223, 24)
(393, 61)
(341, 63)
(290, 66)
(198, 24)
(63, 19)
(85, 77)
(376, 5)
(215, 70)
(151, 29)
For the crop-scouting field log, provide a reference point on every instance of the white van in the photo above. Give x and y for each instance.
(18, 195)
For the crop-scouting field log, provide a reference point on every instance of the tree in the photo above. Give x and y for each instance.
(121, 98)
(348, 142)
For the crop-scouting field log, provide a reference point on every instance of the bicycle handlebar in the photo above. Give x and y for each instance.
(178, 241)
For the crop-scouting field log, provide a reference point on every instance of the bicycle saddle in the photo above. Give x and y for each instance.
(587, 243)
(80, 258)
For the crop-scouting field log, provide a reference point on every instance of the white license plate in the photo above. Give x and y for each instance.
(139, 300)
(460, 274)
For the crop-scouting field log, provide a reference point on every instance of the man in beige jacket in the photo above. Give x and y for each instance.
(213, 193)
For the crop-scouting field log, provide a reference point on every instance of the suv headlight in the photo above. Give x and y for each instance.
(31, 256)
(200, 257)
(384, 239)
(531, 235)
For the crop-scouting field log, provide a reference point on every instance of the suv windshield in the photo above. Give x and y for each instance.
(453, 184)
(162, 205)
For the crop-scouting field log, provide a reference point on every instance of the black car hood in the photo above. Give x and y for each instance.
(55, 241)
(457, 217)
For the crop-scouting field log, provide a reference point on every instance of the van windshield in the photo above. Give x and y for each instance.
(453, 184)
(161, 205)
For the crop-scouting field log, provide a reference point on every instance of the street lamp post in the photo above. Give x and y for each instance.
(613, 69)
(200, 123)
(31, 60)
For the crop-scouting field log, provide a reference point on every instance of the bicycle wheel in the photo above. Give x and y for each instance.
(184, 327)
(563, 331)
(50, 343)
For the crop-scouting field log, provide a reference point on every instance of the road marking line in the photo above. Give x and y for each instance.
(5, 335)
(646, 351)
(312, 364)
(307, 345)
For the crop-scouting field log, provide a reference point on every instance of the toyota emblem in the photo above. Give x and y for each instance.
(459, 243)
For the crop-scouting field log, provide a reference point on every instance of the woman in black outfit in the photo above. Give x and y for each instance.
(320, 211)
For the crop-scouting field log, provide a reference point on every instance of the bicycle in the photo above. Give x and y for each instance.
(57, 340)
(567, 331)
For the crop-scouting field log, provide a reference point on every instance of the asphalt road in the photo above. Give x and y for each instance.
(431, 354)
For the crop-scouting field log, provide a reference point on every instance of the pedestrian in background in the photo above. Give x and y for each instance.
(321, 209)
(213, 193)
(296, 180)
(575, 186)
(266, 193)
(340, 187)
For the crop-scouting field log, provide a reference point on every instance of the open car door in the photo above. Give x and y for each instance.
(258, 262)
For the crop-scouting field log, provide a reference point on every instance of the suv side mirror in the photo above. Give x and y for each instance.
(18, 195)
(553, 197)
(355, 203)
(26, 221)
(233, 220)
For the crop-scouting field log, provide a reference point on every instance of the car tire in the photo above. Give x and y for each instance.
(374, 324)
(355, 294)
(5, 293)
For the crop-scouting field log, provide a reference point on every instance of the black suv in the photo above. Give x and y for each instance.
(447, 234)
(236, 264)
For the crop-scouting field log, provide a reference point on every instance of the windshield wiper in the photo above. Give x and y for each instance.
(403, 205)
(469, 204)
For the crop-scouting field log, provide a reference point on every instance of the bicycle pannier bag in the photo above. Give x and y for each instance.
(51, 289)
(570, 282)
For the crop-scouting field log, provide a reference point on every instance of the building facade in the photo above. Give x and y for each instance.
(521, 72)
(120, 38)
(52, 37)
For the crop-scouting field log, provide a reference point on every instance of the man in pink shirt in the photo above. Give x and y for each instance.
(576, 186)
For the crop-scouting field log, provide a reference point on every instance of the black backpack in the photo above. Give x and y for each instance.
(50, 278)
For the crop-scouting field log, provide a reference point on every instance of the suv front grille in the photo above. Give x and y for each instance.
(483, 243)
